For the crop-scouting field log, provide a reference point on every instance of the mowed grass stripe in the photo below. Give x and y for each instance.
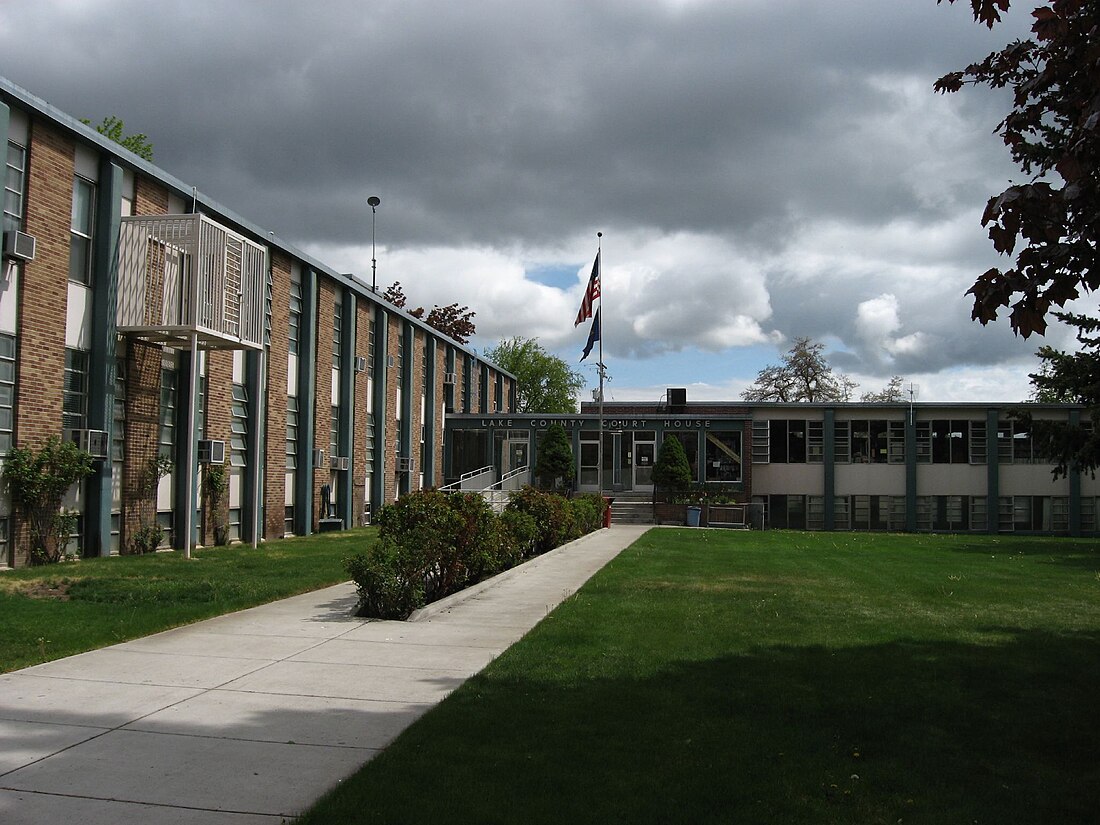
(709, 676)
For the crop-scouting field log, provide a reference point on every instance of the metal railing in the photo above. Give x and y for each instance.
(477, 480)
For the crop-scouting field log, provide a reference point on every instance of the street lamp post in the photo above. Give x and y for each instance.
(373, 202)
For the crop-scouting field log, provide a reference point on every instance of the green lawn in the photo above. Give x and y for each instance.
(57, 610)
(779, 677)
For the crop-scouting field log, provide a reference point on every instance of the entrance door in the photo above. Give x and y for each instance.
(645, 453)
(513, 455)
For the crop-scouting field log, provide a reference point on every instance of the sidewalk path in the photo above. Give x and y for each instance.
(249, 718)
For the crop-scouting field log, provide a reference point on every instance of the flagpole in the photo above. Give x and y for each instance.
(599, 363)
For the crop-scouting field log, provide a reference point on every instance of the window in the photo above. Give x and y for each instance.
(815, 442)
(291, 432)
(895, 442)
(334, 431)
(368, 454)
(294, 327)
(761, 442)
(167, 437)
(238, 426)
(7, 394)
(370, 348)
(15, 187)
(977, 442)
(788, 441)
(337, 333)
(924, 442)
(74, 403)
(869, 442)
(118, 414)
(724, 456)
(950, 442)
(842, 441)
(1014, 444)
(80, 239)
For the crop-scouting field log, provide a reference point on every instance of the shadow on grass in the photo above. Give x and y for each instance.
(1081, 553)
(910, 731)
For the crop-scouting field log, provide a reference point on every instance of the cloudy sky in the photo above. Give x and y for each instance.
(760, 169)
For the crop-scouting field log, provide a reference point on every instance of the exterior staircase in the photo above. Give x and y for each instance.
(632, 508)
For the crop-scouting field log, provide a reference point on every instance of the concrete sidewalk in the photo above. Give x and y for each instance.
(249, 718)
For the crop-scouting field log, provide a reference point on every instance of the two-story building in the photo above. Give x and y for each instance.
(140, 318)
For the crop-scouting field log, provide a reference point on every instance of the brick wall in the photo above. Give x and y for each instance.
(40, 357)
(364, 311)
(391, 412)
(322, 409)
(437, 414)
(44, 288)
(275, 427)
(143, 363)
(217, 424)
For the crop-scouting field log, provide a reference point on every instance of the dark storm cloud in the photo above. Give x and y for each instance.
(738, 136)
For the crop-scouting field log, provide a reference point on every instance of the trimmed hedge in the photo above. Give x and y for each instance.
(431, 544)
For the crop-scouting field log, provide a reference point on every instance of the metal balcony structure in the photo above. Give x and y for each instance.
(185, 279)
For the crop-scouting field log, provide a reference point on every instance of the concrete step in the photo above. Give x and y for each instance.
(632, 511)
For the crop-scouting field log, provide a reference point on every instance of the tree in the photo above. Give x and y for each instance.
(893, 391)
(38, 480)
(555, 460)
(112, 127)
(1051, 132)
(1051, 222)
(671, 470)
(804, 375)
(452, 320)
(1069, 378)
(544, 382)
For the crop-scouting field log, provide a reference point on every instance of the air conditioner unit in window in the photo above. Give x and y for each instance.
(318, 458)
(406, 464)
(450, 378)
(93, 442)
(360, 363)
(211, 451)
(19, 245)
(339, 462)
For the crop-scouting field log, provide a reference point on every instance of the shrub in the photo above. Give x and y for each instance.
(553, 519)
(431, 544)
(477, 539)
(588, 510)
(389, 578)
(38, 480)
(519, 534)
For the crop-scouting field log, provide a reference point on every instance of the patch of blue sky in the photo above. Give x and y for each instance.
(560, 276)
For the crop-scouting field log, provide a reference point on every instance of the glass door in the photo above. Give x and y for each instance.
(645, 453)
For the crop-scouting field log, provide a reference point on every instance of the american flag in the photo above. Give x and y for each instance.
(590, 294)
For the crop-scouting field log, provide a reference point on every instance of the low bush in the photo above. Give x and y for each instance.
(431, 544)
(390, 578)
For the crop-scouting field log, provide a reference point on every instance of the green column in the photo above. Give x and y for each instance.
(1074, 485)
(429, 413)
(911, 472)
(345, 433)
(102, 357)
(829, 468)
(252, 479)
(993, 473)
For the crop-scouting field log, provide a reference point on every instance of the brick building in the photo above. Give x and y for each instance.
(135, 311)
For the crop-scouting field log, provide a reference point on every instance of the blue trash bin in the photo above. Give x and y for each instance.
(693, 514)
